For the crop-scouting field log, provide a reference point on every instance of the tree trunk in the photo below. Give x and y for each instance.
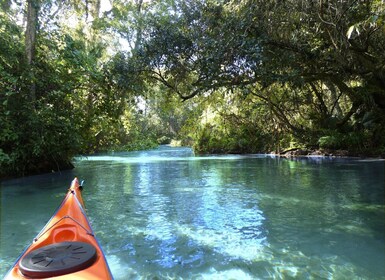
(138, 39)
(30, 42)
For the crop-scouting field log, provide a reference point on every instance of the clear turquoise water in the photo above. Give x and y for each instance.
(165, 214)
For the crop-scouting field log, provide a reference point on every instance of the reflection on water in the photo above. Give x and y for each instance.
(165, 214)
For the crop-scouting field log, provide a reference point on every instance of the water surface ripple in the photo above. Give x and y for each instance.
(167, 214)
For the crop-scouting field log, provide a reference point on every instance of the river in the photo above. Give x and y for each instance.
(167, 214)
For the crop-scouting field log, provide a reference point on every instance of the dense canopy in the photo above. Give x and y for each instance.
(224, 76)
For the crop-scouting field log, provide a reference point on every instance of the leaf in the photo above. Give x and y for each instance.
(350, 31)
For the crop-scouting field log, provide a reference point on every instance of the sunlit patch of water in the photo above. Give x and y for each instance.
(231, 273)
(119, 269)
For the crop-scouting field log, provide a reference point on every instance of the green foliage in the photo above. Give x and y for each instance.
(216, 139)
(331, 141)
(313, 71)
(227, 125)
(77, 108)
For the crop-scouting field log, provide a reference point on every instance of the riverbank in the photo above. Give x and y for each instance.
(290, 153)
(299, 152)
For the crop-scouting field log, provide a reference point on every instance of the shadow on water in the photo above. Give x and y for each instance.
(166, 213)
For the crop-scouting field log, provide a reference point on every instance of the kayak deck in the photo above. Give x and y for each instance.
(66, 248)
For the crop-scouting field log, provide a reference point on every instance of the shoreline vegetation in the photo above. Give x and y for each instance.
(328, 153)
(293, 153)
(222, 76)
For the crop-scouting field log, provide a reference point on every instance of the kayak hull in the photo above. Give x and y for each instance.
(66, 248)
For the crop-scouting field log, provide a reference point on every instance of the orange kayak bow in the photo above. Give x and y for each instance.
(66, 248)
